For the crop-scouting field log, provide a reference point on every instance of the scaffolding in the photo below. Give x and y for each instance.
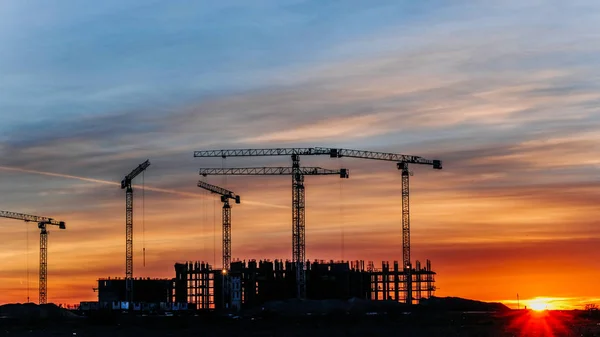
(195, 284)
(392, 284)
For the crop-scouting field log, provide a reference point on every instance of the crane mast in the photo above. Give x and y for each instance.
(225, 196)
(43, 283)
(126, 184)
(226, 234)
(406, 261)
(298, 225)
(42, 222)
(298, 205)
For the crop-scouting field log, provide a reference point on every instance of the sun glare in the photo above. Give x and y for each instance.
(538, 305)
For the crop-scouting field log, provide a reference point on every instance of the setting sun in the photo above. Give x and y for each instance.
(538, 305)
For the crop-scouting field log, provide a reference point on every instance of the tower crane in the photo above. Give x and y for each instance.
(298, 205)
(126, 185)
(225, 196)
(402, 162)
(42, 223)
(298, 221)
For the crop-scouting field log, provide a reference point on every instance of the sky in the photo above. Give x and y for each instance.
(506, 93)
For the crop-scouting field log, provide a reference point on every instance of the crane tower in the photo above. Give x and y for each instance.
(225, 196)
(42, 222)
(126, 184)
(402, 161)
(298, 206)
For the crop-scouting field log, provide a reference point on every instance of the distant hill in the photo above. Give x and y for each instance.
(445, 304)
(461, 304)
(33, 311)
(321, 307)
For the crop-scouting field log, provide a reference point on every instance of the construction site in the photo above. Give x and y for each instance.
(235, 284)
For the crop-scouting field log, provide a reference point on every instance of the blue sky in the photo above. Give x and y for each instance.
(81, 59)
(505, 92)
(107, 55)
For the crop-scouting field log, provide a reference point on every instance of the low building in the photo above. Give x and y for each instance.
(145, 290)
(198, 286)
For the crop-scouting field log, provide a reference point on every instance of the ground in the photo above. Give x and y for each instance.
(514, 323)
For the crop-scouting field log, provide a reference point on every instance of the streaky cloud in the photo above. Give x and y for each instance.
(106, 182)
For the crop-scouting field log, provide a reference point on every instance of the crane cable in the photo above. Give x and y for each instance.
(341, 216)
(204, 221)
(224, 185)
(144, 218)
(224, 182)
(342, 229)
(203, 211)
(27, 258)
(214, 232)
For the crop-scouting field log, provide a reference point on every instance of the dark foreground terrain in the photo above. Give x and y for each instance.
(421, 323)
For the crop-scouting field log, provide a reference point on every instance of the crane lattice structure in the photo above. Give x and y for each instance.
(42, 222)
(225, 196)
(298, 205)
(402, 161)
(126, 184)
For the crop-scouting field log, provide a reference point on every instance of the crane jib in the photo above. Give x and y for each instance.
(32, 218)
(126, 182)
(315, 151)
(227, 194)
(343, 173)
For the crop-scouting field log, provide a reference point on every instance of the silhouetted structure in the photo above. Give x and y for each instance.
(226, 217)
(195, 283)
(254, 282)
(298, 194)
(146, 290)
(298, 204)
(126, 184)
(42, 222)
(391, 283)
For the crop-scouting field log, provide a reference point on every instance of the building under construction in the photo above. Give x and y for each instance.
(248, 284)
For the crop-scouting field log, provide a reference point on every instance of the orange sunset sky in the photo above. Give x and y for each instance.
(506, 93)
